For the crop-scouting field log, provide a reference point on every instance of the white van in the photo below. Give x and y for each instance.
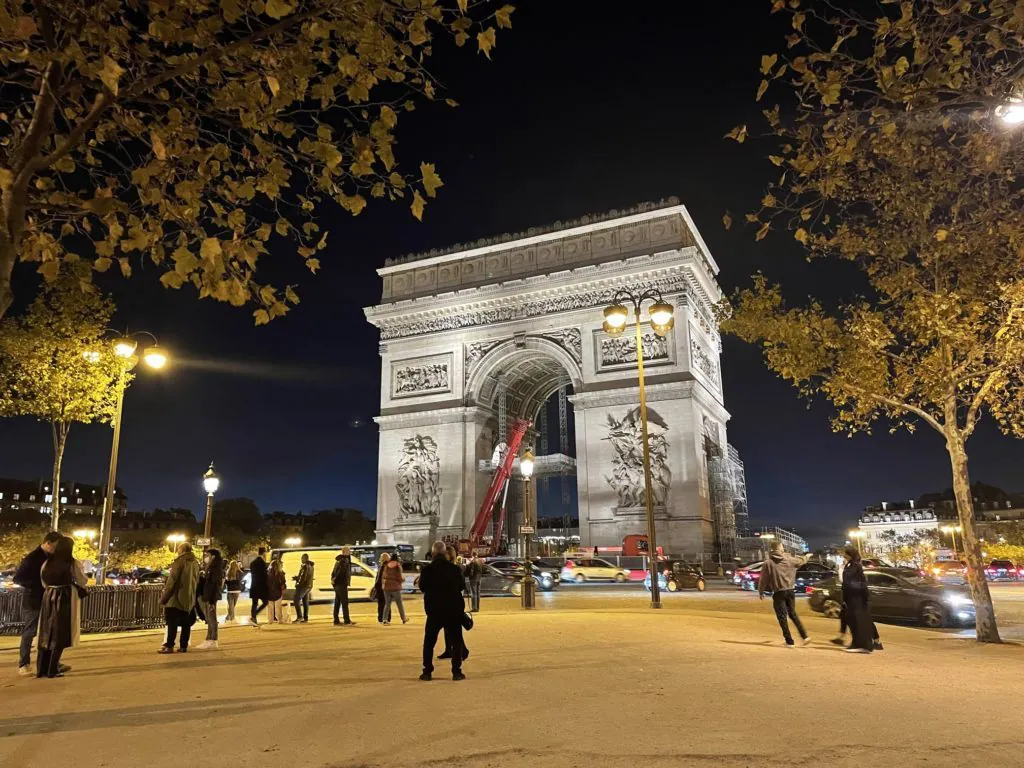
(323, 559)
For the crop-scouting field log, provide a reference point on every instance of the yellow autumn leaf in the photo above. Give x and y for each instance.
(463, 5)
(158, 146)
(768, 63)
(761, 89)
(388, 116)
(313, 265)
(172, 280)
(49, 270)
(431, 181)
(110, 73)
(727, 220)
(278, 9)
(763, 231)
(418, 204)
(25, 27)
(291, 295)
(503, 16)
(261, 317)
(801, 236)
(902, 65)
(354, 204)
(210, 248)
(941, 234)
(738, 134)
(486, 40)
(273, 85)
(102, 264)
(282, 226)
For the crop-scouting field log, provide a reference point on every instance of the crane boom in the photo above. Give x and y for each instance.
(501, 474)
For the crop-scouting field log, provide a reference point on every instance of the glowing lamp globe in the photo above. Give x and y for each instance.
(155, 357)
(615, 318)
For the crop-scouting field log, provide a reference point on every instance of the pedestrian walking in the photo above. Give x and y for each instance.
(29, 578)
(276, 585)
(213, 585)
(474, 572)
(377, 592)
(258, 586)
(233, 585)
(856, 603)
(303, 587)
(179, 598)
(442, 584)
(60, 614)
(778, 576)
(341, 579)
(393, 583)
(840, 639)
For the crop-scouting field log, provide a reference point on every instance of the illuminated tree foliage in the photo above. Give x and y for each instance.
(893, 157)
(191, 134)
(56, 366)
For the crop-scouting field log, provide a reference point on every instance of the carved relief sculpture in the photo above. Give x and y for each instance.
(617, 351)
(703, 362)
(417, 379)
(569, 339)
(627, 478)
(419, 474)
(475, 352)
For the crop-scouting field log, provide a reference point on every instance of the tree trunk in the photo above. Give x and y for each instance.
(60, 439)
(985, 616)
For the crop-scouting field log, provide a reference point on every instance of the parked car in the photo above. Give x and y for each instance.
(546, 578)
(584, 569)
(950, 571)
(1003, 570)
(679, 576)
(897, 596)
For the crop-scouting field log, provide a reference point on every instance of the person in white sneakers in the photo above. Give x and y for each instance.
(212, 588)
(778, 576)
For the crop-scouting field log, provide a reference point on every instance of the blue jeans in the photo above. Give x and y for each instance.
(302, 603)
(31, 618)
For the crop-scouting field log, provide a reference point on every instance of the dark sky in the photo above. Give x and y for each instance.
(579, 112)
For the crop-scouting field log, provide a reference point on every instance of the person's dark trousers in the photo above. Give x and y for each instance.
(474, 594)
(256, 611)
(842, 620)
(452, 639)
(380, 606)
(784, 602)
(48, 662)
(341, 601)
(177, 618)
(302, 604)
(30, 617)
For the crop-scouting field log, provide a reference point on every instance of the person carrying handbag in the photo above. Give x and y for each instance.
(179, 598)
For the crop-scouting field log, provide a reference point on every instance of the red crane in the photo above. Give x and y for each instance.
(502, 472)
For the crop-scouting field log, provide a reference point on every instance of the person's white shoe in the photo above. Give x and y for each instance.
(857, 650)
(209, 645)
(806, 641)
(26, 671)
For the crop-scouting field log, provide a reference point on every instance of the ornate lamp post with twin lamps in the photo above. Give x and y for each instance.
(662, 316)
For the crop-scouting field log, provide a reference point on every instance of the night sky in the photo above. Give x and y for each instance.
(579, 112)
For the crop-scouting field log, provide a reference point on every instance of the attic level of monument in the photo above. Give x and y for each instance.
(477, 337)
(652, 230)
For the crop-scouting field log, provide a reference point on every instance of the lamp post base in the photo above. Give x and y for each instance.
(529, 593)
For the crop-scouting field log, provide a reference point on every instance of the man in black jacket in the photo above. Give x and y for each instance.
(259, 586)
(442, 583)
(341, 578)
(29, 577)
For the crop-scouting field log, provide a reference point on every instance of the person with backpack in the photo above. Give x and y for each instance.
(303, 588)
(213, 585)
(393, 582)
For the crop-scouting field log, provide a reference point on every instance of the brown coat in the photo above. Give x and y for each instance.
(393, 579)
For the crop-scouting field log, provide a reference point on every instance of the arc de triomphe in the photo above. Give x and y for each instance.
(527, 310)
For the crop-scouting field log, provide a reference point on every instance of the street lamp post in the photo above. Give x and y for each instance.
(210, 484)
(529, 584)
(953, 530)
(662, 320)
(858, 536)
(155, 357)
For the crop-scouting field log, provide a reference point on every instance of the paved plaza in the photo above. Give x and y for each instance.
(593, 678)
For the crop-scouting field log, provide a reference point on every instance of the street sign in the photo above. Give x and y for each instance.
(202, 541)
(526, 529)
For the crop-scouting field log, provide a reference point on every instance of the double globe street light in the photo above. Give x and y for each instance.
(155, 357)
(662, 316)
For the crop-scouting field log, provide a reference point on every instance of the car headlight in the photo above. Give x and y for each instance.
(546, 575)
(958, 601)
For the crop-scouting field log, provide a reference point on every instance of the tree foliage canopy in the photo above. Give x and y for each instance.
(193, 133)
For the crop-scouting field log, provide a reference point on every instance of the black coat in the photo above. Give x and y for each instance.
(259, 587)
(29, 576)
(857, 606)
(214, 584)
(341, 576)
(442, 584)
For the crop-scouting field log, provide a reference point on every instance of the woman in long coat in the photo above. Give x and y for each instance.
(60, 617)
(856, 603)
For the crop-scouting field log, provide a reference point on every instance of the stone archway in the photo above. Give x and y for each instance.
(528, 309)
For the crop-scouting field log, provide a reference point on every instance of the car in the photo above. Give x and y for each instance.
(150, 577)
(545, 578)
(678, 576)
(874, 562)
(1002, 570)
(741, 573)
(898, 596)
(949, 571)
(493, 583)
(584, 569)
(362, 575)
(807, 574)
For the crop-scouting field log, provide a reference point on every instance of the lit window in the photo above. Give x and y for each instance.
(78, 500)
(17, 497)
(48, 498)
(63, 499)
(1, 495)
(32, 497)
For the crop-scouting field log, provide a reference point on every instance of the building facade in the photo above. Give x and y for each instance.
(473, 338)
(76, 499)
